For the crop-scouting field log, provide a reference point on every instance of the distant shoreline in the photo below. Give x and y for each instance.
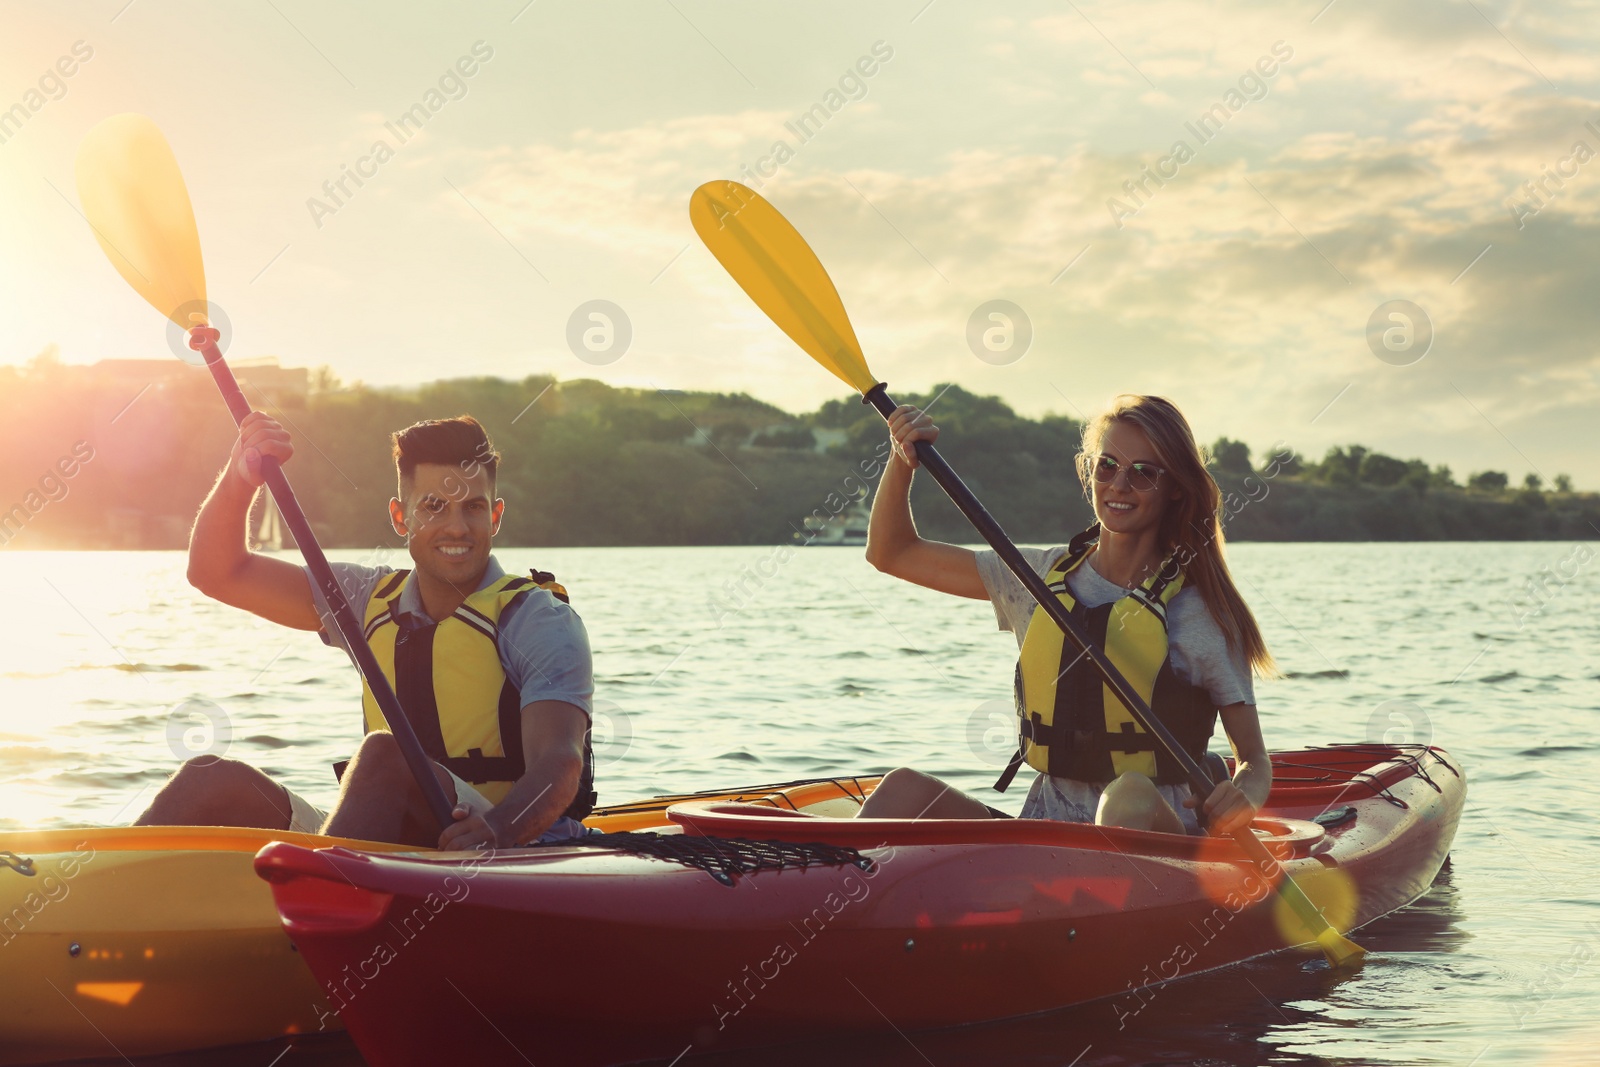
(120, 454)
(398, 555)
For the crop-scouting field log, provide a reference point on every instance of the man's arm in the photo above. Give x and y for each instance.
(221, 564)
(552, 739)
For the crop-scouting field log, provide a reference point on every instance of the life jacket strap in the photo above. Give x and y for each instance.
(1033, 731)
(538, 579)
(388, 591)
(1131, 740)
(391, 585)
(477, 768)
(1002, 783)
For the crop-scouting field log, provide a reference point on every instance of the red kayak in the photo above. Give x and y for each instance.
(756, 926)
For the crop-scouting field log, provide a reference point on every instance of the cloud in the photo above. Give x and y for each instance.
(1255, 247)
(1378, 165)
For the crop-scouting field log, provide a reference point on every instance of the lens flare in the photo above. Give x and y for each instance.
(1334, 894)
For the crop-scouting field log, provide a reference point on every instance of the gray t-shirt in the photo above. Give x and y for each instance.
(544, 648)
(1195, 643)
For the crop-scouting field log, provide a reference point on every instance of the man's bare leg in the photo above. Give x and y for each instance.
(211, 791)
(379, 799)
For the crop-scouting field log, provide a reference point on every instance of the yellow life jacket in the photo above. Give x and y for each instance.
(455, 693)
(1071, 723)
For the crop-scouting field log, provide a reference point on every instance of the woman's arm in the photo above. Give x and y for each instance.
(1253, 767)
(1233, 804)
(893, 544)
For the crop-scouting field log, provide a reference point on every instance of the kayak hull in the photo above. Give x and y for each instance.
(953, 922)
(125, 942)
(134, 941)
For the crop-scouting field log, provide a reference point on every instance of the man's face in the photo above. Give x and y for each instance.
(449, 518)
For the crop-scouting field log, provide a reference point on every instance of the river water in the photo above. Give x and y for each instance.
(731, 666)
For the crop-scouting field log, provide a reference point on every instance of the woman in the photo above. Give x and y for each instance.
(1149, 583)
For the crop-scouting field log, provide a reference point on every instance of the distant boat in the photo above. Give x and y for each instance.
(269, 531)
(848, 529)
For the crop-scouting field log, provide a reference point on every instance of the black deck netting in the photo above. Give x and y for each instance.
(724, 857)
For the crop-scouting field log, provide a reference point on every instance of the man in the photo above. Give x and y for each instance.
(493, 671)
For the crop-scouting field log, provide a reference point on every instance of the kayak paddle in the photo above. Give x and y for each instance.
(771, 262)
(135, 200)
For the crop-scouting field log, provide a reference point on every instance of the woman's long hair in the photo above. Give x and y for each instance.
(1190, 530)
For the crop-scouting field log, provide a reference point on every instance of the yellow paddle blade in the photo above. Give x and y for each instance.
(134, 197)
(772, 262)
(1340, 950)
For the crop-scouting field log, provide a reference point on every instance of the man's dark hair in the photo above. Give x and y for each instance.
(461, 441)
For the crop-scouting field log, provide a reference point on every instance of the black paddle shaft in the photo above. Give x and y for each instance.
(345, 619)
(980, 518)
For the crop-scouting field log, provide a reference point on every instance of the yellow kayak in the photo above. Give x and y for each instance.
(137, 941)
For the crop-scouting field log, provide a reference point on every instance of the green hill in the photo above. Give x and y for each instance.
(590, 464)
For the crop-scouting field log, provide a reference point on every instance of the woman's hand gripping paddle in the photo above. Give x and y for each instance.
(774, 265)
(135, 200)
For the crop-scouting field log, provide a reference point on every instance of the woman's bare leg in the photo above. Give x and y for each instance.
(908, 794)
(1133, 801)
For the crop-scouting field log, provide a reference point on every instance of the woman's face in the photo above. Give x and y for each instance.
(1122, 502)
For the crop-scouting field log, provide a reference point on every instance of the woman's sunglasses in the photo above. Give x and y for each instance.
(1142, 477)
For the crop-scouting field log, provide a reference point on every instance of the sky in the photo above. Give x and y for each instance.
(1358, 160)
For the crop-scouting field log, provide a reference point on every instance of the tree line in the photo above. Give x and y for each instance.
(586, 463)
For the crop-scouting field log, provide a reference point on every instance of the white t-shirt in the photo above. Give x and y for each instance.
(1195, 643)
